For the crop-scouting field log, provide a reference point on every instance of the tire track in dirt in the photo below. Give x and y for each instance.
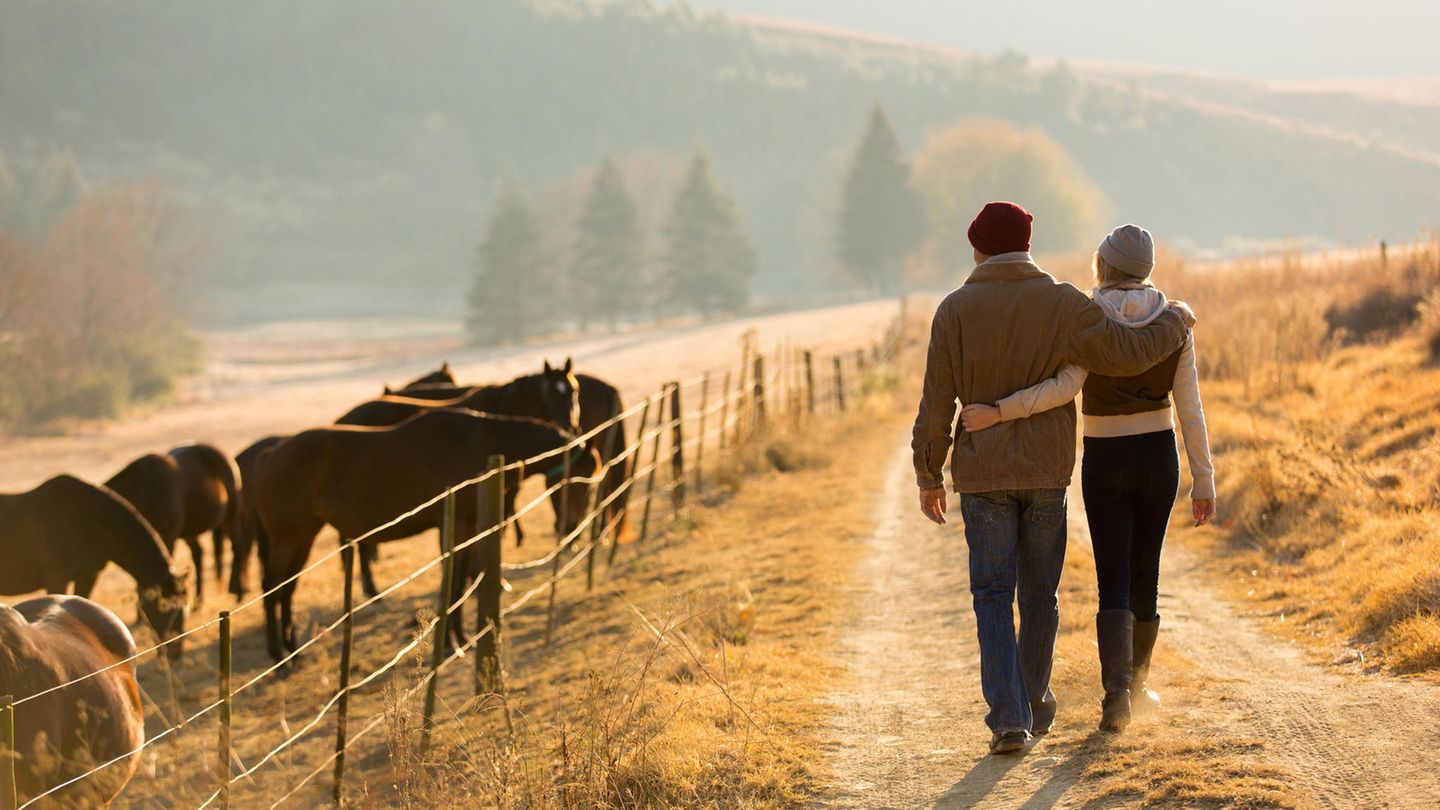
(908, 728)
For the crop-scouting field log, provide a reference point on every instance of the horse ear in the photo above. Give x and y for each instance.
(445, 367)
(569, 364)
(547, 365)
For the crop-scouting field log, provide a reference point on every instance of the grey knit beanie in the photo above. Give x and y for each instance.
(1130, 250)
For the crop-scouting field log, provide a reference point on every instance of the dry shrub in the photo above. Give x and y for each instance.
(1430, 326)
(1414, 644)
(89, 316)
(1382, 311)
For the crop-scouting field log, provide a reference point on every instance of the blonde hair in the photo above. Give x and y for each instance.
(1108, 276)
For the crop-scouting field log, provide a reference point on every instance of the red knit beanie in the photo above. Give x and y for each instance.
(1001, 227)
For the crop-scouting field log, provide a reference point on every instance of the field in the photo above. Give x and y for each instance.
(260, 382)
(798, 636)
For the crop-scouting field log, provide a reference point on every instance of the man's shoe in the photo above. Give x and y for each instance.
(1008, 742)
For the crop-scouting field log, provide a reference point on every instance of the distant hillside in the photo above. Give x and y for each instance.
(361, 140)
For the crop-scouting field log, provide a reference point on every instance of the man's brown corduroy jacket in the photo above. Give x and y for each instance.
(1009, 326)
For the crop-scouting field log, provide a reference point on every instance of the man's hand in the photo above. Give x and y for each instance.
(975, 418)
(1185, 312)
(1202, 509)
(932, 504)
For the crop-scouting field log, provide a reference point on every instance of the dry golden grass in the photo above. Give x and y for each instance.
(690, 676)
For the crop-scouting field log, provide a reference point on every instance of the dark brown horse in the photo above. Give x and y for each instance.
(358, 478)
(551, 395)
(598, 401)
(183, 494)
(65, 530)
(52, 640)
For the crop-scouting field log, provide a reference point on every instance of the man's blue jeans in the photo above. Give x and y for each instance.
(1017, 546)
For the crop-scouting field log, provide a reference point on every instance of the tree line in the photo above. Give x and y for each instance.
(896, 223)
(520, 289)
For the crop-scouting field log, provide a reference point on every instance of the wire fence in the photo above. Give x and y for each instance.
(682, 424)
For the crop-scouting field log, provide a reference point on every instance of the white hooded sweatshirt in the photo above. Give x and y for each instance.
(1135, 306)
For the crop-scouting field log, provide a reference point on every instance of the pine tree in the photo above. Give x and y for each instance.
(608, 252)
(709, 257)
(881, 217)
(508, 300)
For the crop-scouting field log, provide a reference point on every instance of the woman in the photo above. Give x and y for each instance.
(1131, 472)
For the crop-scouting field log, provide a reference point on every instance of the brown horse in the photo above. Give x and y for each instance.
(183, 494)
(358, 478)
(65, 530)
(551, 395)
(52, 640)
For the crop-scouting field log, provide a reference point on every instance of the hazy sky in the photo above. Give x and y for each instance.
(1270, 39)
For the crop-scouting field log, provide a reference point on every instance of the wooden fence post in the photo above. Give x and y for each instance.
(559, 539)
(442, 612)
(634, 469)
(677, 449)
(347, 643)
(488, 565)
(9, 796)
(222, 766)
(840, 383)
(759, 392)
(654, 469)
(809, 382)
(725, 411)
(700, 432)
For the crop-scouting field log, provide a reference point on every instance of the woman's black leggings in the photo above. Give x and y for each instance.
(1129, 483)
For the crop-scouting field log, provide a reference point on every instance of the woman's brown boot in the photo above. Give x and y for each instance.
(1141, 697)
(1114, 630)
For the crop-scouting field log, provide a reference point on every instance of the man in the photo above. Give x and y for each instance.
(1009, 326)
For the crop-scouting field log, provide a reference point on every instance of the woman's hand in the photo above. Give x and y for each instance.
(932, 504)
(1203, 509)
(975, 418)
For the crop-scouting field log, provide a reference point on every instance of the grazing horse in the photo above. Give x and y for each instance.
(65, 530)
(52, 640)
(551, 395)
(358, 478)
(183, 494)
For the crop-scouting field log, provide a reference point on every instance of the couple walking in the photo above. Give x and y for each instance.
(1015, 346)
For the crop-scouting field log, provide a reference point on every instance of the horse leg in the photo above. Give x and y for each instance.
(367, 578)
(272, 625)
(217, 546)
(512, 492)
(197, 561)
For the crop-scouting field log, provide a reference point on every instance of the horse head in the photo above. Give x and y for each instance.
(164, 607)
(560, 395)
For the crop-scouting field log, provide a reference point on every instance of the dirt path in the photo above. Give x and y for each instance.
(909, 728)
